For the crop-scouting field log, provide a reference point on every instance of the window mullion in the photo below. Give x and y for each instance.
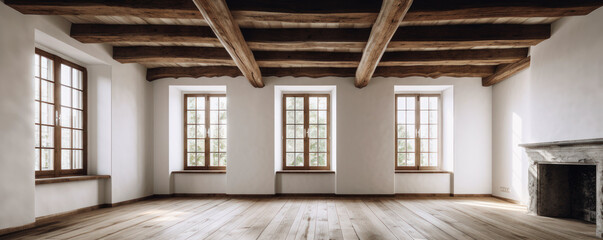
(306, 127)
(417, 128)
(57, 124)
(207, 152)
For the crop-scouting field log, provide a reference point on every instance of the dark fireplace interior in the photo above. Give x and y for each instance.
(567, 191)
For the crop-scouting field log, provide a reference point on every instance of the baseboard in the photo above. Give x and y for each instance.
(472, 195)
(507, 200)
(43, 220)
(423, 195)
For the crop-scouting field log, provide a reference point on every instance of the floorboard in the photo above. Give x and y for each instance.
(312, 218)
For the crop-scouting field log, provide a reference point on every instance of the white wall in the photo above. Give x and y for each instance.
(558, 98)
(423, 183)
(73, 195)
(211, 183)
(311, 183)
(364, 131)
(16, 120)
(112, 85)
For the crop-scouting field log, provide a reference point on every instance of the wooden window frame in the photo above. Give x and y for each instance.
(207, 138)
(306, 127)
(417, 132)
(57, 171)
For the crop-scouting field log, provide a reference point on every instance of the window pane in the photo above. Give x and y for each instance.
(44, 68)
(214, 103)
(200, 117)
(433, 145)
(433, 117)
(37, 65)
(313, 131)
(299, 159)
(201, 131)
(213, 117)
(322, 131)
(290, 131)
(299, 103)
(37, 109)
(322, 103)
(290, 117)
(424, 146)
(424, 159)
(290, 145)
(401, 103)
(200, 159)
(47, 159)
(47, 91)
(200, 145)
(213, 145)
(402, 131)
(65, 159)
(322, 145)
(190, 131)
(410, 117)
(313, 145)
(65, 75)
(78, 120)
(401, 161)
(401, 117)
(433, 103)
(401, 145)
(299, 117)
(410, 145)
(65, 117)
(299, 131)
(299, 145)
(290, 159)
(191, 159)
(223, 103)
(214, 159)
(410, 103)
(290, 103)
(78, 161)
(66, 138)
(410, 159)
(47, 136)
(65, 96)
(424, 103)
(200, 103)
(313, 103)
(190, 117)
(433, 131)
(322, 117)
(433, 159)
(313, 159)
(77, 99)
(322, 159)
(78, 139)
(37, 135)
(47, 114)
(222, 117)
(313, 117)
(222, 147)
(222, 159)
(213, 131)
(424, 131)
(37, 160)
(191, 145)
(222, 131)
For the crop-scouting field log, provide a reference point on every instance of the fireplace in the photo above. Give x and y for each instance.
(566, 179)
(567, 191)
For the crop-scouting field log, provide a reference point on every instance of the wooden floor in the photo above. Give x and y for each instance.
(312, 218)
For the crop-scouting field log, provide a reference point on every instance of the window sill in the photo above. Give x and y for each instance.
(70, 179)
(306, 171)
(200, 172)
(423, 171)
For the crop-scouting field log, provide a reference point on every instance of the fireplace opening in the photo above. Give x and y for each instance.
(567, 191)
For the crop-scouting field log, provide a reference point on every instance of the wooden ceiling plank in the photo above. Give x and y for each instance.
(389, 18)
(505, 71)
(324, 11)
(422, 71)
(219, 57)
(220, 20)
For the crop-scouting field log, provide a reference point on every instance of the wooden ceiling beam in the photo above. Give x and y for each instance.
(220, 20)
(313, 39)
(204, 56)
(389, 18)
(505, 71)
(412, 71)
(313, 11)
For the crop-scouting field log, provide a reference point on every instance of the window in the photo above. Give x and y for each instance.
(417, 131)
(205, 132)
(60, 123)
(306, 132)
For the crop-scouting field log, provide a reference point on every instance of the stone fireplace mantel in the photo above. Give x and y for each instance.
(577, 152)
